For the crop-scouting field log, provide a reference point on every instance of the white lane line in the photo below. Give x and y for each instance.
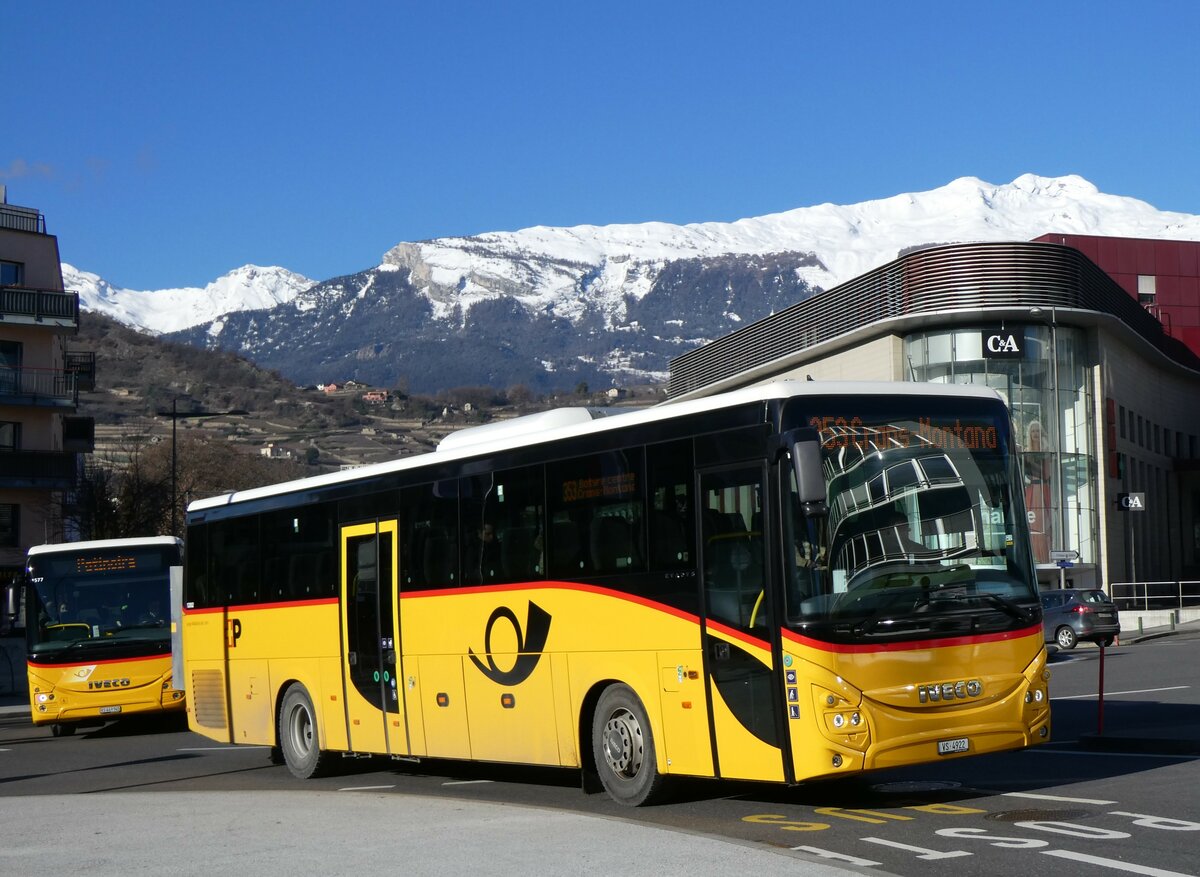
(1127, 867)
(466, 782)
(221, 748)
(1056, 798)
(1119, 693)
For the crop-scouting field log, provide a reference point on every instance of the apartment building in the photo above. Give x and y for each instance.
(41, 438)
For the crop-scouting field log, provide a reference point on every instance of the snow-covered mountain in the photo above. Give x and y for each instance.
(552, 306)
(169, 310)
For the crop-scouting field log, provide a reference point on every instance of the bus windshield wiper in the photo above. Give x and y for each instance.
(1008, 607)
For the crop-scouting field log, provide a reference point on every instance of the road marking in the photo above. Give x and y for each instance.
(1056, 798)
(365, 788)
(466, 782)
(221, 748)
(1116, 693)
(924, 853)
(841, 857)
(1127, 867)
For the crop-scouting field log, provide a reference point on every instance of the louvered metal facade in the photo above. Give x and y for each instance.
(940, 280)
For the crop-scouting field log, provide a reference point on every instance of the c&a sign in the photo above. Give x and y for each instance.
(1003, 343)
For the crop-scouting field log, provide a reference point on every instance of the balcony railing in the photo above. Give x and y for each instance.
(53, 307)
(45, 470)
(38, 386)
(22, 219)
(82, 364)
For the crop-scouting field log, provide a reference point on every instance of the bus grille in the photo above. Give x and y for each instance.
(208, 698)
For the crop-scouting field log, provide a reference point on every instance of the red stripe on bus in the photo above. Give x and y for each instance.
(96, 663)
(555, 586)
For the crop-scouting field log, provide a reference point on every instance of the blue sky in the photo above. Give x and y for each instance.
(170, 143)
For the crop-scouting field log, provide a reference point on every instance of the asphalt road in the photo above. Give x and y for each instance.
(1113, 794)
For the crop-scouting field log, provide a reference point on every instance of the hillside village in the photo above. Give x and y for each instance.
(327, 426)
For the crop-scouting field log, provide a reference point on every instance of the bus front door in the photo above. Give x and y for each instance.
(375, 717)
(737, 631)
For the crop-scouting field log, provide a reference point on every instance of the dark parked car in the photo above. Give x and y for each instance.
(1075, 614)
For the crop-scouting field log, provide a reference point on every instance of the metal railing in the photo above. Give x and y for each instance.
(54, 470)
(1154, 595)
(39, 385)
(22, 219)
(39, 304)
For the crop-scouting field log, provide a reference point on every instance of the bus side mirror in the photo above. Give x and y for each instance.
(810, 480)
(11, 609)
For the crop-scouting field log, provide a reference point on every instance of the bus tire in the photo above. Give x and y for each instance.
(60, 729)
(623, 748)
(298, 737)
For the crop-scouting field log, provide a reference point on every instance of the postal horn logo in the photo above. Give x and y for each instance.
(530, 644)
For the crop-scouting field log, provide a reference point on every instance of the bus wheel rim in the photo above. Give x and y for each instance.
(623, 744)
(301, 730)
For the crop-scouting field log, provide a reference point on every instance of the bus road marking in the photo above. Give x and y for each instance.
(1127, 867)
(466, 782)
(1118, 693)
(1055, 798)
(841, 857)
(922, 852)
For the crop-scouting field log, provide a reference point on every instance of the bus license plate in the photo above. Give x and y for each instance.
(112, 710)
(947, 747)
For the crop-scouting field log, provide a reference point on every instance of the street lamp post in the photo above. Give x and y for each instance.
(175, 416)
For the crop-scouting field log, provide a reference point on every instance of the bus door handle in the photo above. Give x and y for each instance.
(720, 651)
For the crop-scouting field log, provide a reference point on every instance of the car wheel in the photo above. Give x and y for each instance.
(1107, 641)
(1065, 637)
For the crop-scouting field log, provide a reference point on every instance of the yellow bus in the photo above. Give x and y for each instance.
(789, 581)
(98, 627)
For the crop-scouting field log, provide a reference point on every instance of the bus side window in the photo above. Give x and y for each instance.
(672, 525)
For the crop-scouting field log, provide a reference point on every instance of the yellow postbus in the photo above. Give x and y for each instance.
(789, 581)
(98, 627)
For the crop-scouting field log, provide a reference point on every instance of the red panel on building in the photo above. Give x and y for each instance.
(1174, 265)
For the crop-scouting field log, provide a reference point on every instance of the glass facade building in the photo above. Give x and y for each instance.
(1049, 392)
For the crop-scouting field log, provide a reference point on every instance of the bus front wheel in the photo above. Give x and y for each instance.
(623, 747)
(298, 738)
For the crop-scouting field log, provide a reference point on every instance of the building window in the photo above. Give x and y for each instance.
(1121, 420)
(10, 520)
(1147, 289)
(10, 436)
(12, 273)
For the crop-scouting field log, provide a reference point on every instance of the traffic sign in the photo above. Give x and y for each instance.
(1064, 554)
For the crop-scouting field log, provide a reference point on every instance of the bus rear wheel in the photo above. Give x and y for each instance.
(298, 737)
(60, 729)
(623, 747)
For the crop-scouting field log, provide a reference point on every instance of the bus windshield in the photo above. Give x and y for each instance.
(100, 601)
(922, 536)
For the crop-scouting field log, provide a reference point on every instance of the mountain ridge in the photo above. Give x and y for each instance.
(549, 307)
